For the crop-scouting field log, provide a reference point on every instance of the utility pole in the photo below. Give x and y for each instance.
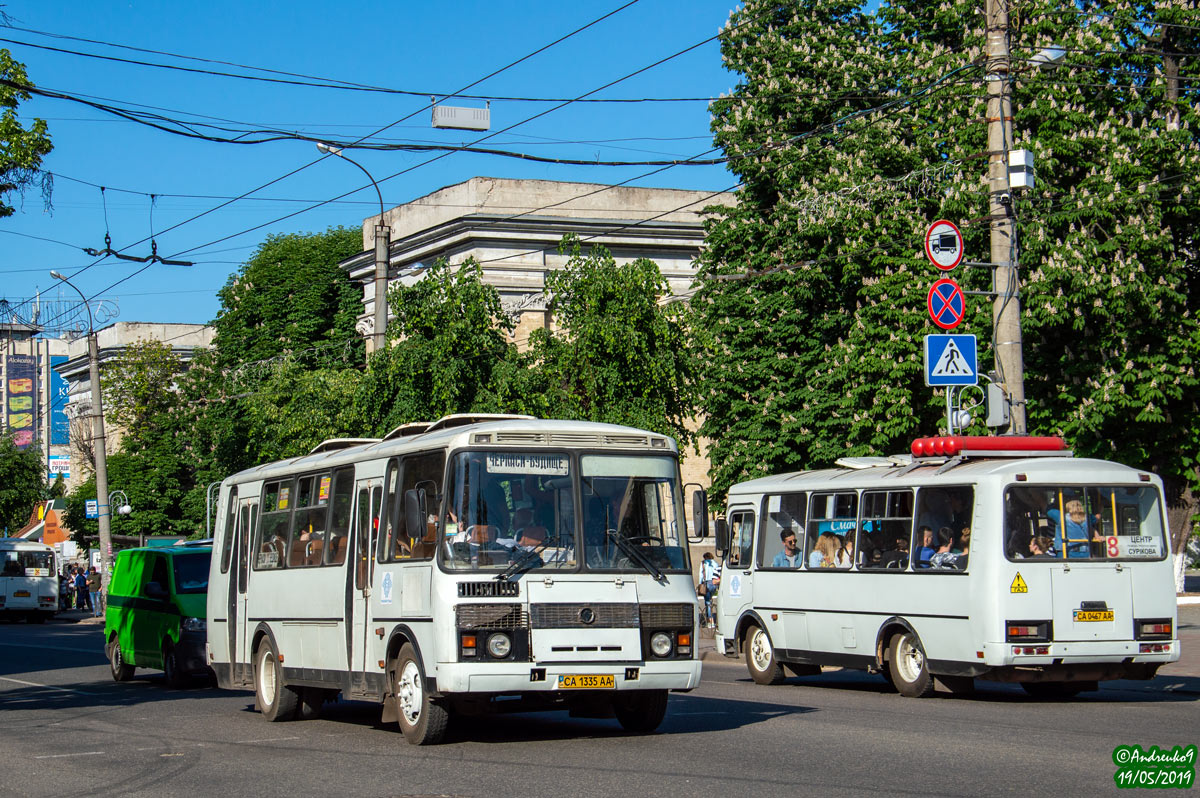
(105, 514)
(1006, 308)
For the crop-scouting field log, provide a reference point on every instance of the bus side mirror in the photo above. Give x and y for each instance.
(414, 512)
(721, 533)
(700, 513)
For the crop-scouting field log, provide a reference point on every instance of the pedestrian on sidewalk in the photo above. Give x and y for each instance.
(82, 600)
(93, 586)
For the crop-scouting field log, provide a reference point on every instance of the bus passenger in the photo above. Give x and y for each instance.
(790, 556)
(824, 552)
(1077, 530)
(845, 555)
(945, 556)
(1041, 547)
(928, 546)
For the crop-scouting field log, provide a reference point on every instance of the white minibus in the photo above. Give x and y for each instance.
(476, 563)
(28, 580)
(1001, 558)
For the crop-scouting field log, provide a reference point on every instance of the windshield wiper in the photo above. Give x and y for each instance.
(635, 554)
(527, 559)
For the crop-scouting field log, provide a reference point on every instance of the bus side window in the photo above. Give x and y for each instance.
(885, 529)
(271, 538)
(339, 516)
(832, 517)
(784, 513)
(422, 472)
(741, 535)
(227, 531)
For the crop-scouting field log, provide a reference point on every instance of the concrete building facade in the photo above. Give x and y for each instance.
(112, 341)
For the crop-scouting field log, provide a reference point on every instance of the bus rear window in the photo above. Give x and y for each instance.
(1073, 522)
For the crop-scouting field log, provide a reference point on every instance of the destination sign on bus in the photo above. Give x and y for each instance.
(546, 465)
(1137, 546)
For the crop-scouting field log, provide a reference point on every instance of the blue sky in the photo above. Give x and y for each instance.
(425, 47)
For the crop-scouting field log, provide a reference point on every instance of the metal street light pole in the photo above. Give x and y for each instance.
(383, 243)
(105, 519)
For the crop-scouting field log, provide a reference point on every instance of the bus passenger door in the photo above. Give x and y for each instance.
(368, 498)
(736, 594)
(239, 657)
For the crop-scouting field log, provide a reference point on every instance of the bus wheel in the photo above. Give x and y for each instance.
(760, 658)
(277, 701)
(116, 662)
(640, 711)
(175, 679)
(1052, 690)
(908, 668)
(422, 719)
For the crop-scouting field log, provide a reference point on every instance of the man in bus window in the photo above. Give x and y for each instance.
(790, 556)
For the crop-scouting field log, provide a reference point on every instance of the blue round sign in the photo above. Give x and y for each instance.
(946, 304)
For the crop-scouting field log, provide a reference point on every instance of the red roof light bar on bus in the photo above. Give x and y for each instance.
(989, 446)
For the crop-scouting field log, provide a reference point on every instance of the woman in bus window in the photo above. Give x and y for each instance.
(1076, 530)
(824, 552)
(845, 554)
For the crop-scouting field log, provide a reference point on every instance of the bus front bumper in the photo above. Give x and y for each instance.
(530, 677)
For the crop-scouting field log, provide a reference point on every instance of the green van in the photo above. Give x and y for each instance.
(155, 615)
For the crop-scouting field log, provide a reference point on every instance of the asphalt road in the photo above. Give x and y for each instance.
(66, 729)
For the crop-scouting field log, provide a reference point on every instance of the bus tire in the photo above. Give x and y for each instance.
(1052, 690)
(760, 657)
(121, 672)
(422, 719)
(175, 679)
(640, 711)
(908, 667)
(278, 702)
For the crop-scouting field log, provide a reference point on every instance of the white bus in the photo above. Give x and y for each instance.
(474, 563)
(28, 580)
(998, 558)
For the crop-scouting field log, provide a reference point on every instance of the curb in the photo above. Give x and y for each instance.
(1186, 600)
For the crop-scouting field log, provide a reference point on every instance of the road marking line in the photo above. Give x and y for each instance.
(268, 740)
(45, 686)
(57, 756)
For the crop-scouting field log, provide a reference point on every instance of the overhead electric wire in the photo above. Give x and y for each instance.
(332, 83)
(323, 157)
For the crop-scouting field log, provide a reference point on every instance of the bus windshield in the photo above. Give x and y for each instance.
(191, 572)
(28, 563)
(1056, 522)
(632, 500)
(518, 510)
(509, 507)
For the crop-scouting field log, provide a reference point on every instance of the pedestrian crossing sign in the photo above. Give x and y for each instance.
(950, 360)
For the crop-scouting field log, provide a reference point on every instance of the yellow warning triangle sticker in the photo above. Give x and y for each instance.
(1018, 585)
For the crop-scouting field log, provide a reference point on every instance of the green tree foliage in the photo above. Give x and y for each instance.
(21, 483)
(139, 385)
(450, 333)
(852, 130)
(21, 148)
(616, 353)
(291, 298)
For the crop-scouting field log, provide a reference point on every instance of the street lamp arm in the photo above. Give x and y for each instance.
(323, 147)
(58, 276)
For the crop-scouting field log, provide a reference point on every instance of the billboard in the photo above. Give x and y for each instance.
(60, 427)
(20, 404)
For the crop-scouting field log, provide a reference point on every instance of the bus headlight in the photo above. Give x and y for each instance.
(499, 645)
(660, 644)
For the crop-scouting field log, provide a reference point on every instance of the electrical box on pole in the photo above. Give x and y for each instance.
(997, 406)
